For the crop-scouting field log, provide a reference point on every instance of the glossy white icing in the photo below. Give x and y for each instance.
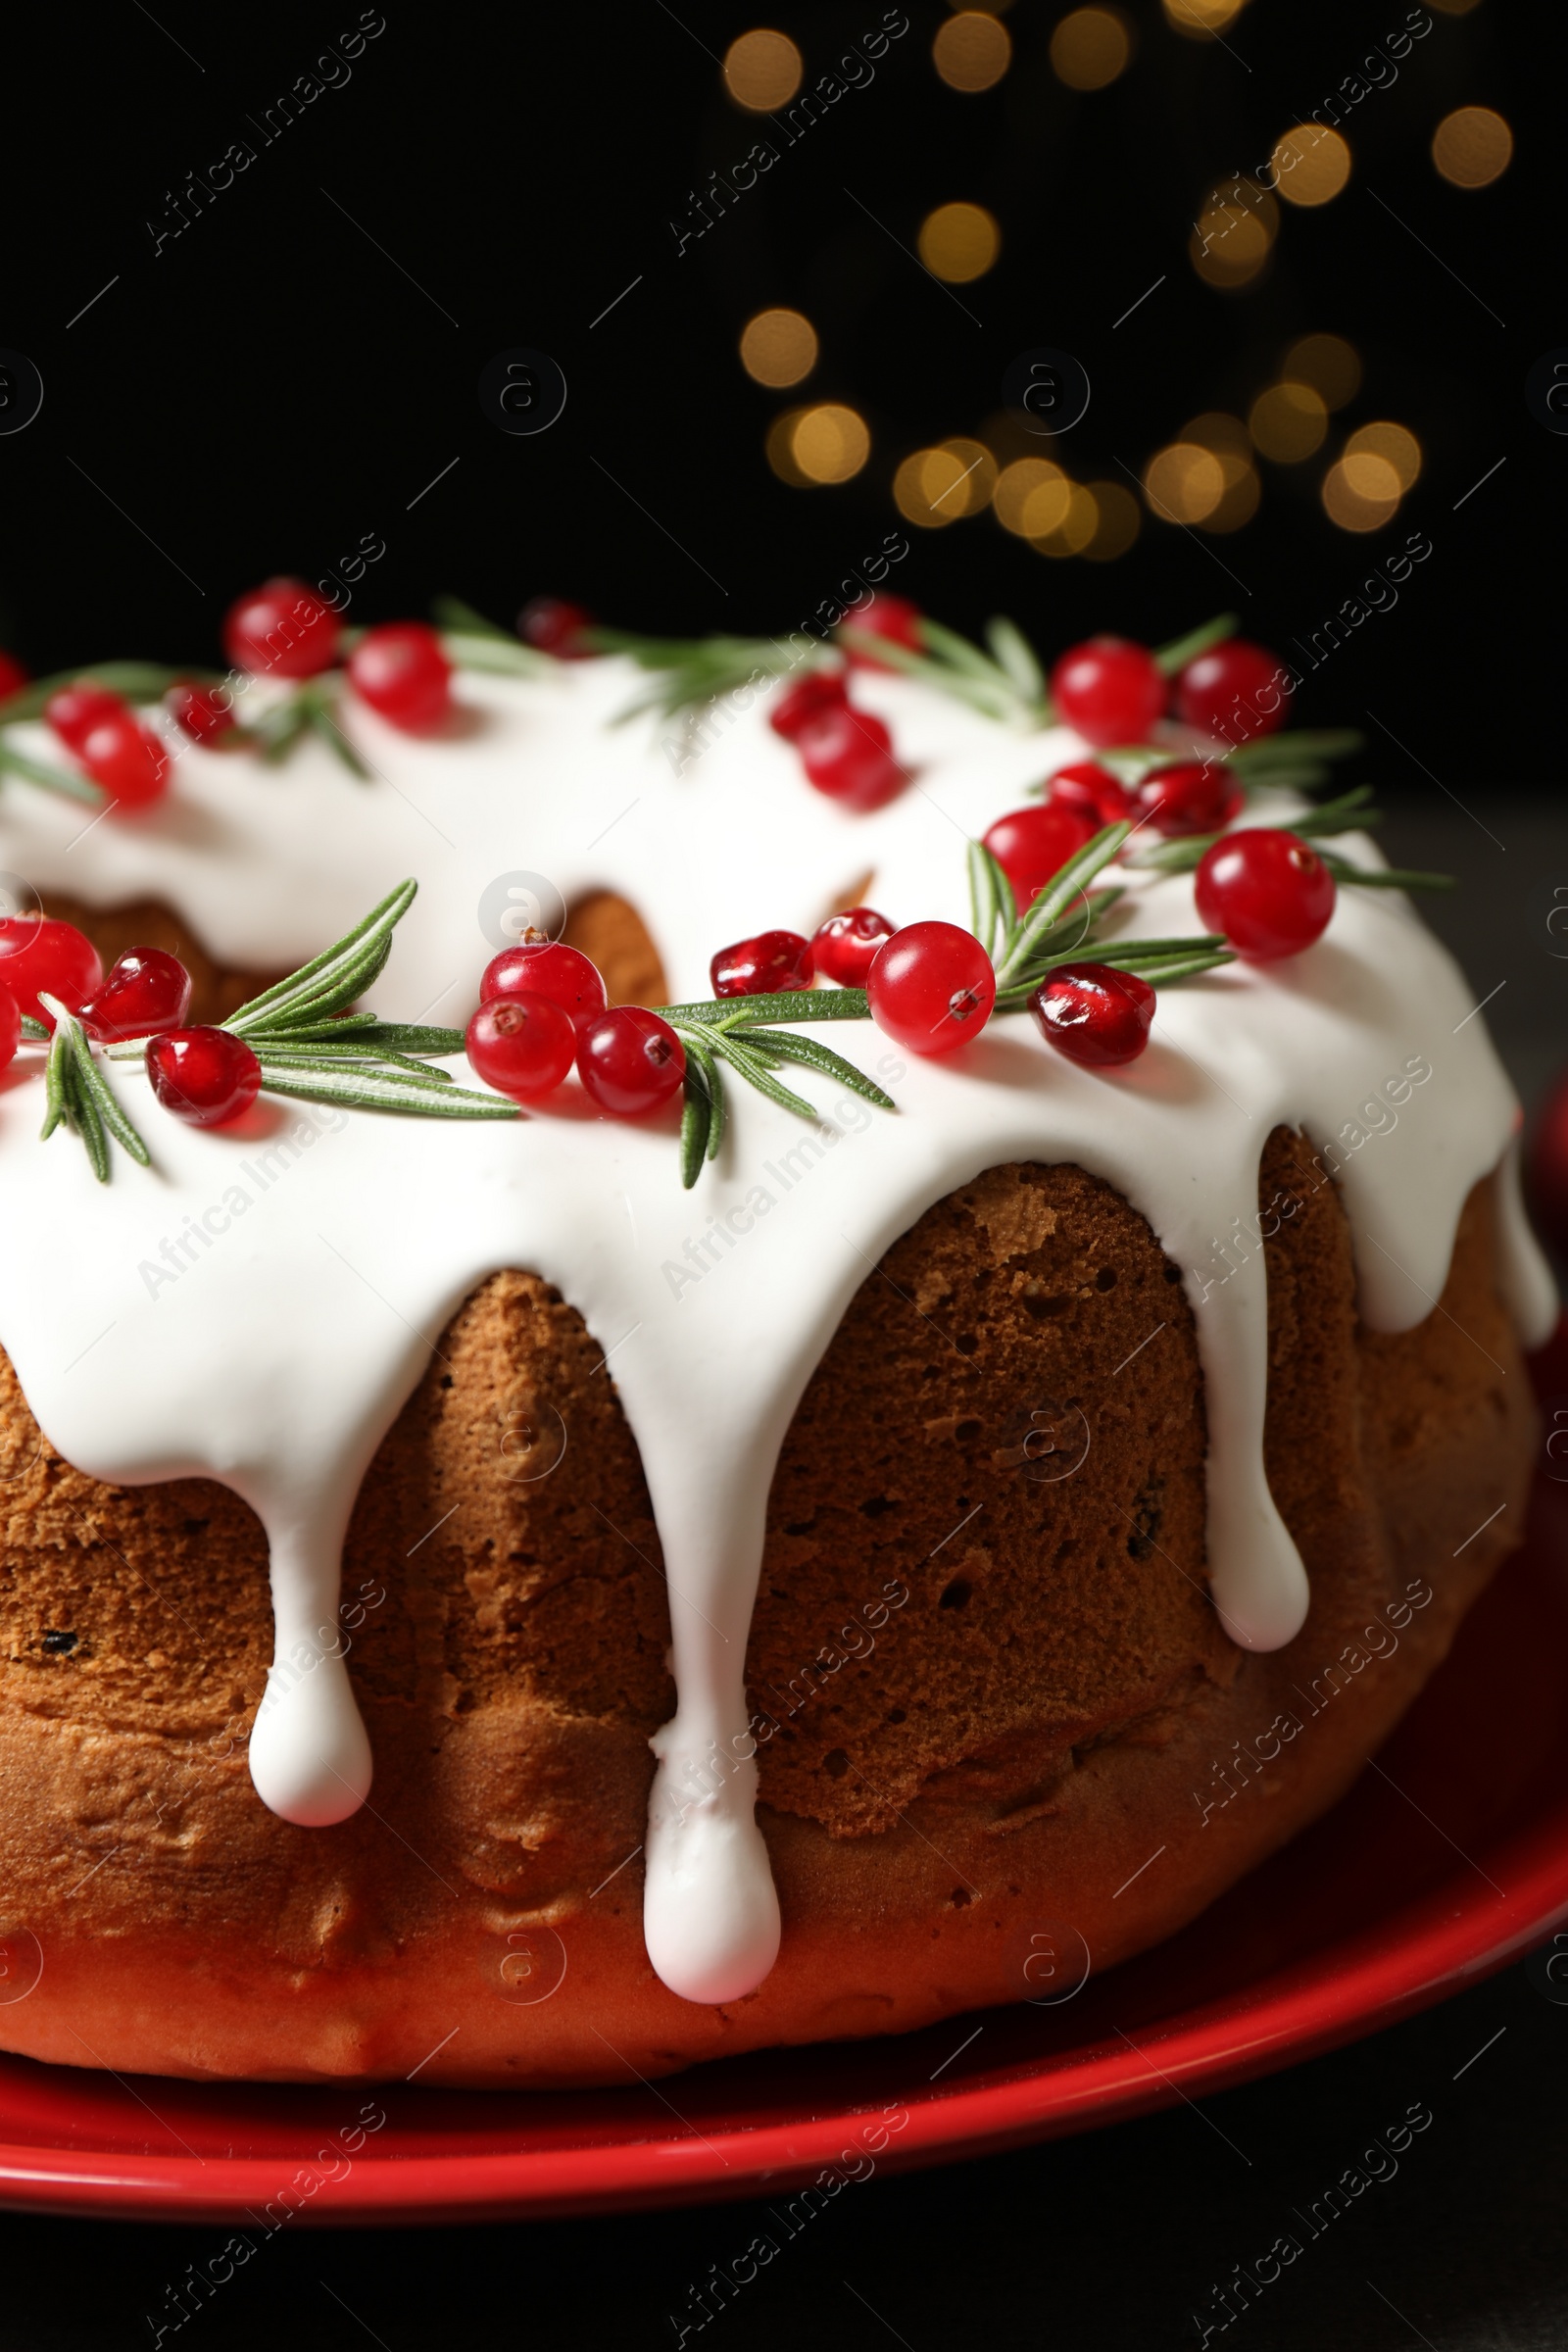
(257, 1305)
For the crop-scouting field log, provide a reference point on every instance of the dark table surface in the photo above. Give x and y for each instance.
(1113, 2238)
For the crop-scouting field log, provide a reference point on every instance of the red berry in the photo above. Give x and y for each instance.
(1031, 845)
(37, 952)
(10, 1028)
(147, 990)
(204, 1076)
(758, 967)
(1235, 691)
(75, 710)
(1192, 797)
(545, 969)
(848, 754)
(809, 698)
(846, 947)
(283, 627)
(884, 615)
(1549, 1169)
(126, 760)
(556, 626)
(401, 670)
(932, 987)
(1094, 1015)
(206, 713)
(522, 1044)
(13, 677)
(1109, 689)
(1269, 892)
(630, 1061)
(1090, 792)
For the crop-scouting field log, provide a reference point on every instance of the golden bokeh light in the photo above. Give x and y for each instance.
(1228, 442)
(1089, 48)
(830, 443)
(1031, 497)
(778, 348)
(1472, 147)
(1239, 500)
(1361, 492)
(1288, 421)
(762, 71)
(1118, 522)
(1233, 236)
(1076, 529)
(781, 446)
(958, 242)
(1202, 20)
(971, 50)
(1183, 482)
(1395, 444)
(937, 486)
(1329, 364)
(1311, 163)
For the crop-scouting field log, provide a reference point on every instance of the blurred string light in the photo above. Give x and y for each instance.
(1234, 235)
(1329, 364)
(1311, 163)
(1032, 497)
(1229, 444)
(778, 348)
(1090, 48)
(1472, 147)
(934, 487)
(811, 448)
(1395, 444)
(958, 242)
(971, 51)
(1075, 530)
(1118, 520)
(1361, 491)
(1184, 482)
(1288, 421)
(762, 71)
(1202, 20)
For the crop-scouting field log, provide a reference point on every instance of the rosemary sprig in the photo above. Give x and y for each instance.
(688, 671)
(1063, 925)
(1282, 762)
(54, 779)
(475, 643)
(1348, 814)
(1006, 683)
(742, 1031)
(133, 681)
(76, 1095)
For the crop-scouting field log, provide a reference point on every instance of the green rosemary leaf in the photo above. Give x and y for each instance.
(503, 656)
(286, 999)
(368, 1090)
(362, 1029)
(984, 910)
(54, 1085)
(812, 1054)
(134, 681)
(754, 1069)
(1391, 877)
(988, 690)
(1058, 894)
(348, 1056)
(1014, 654)
(1129, 954)
(1131, 762)
(1182, 650)
(91, 1090)
(1256, 759)
(791, 1006)
(280, 729)
(696, 1117)
(85, 1119)
(322, 721)
(450, 613)
(35, 1033)
(949, 646)
(53, 779)
(717, 1106)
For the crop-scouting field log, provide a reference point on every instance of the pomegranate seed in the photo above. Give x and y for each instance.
(809, 698)
(1090, 792)
(1108, 691)
(284, 627)
(401, 670)
(37, 952)
(556, 626)
(1031, 845)
(1094, 1015)
(884, 615)
(13, 677)
(630, 1061)
(10, 1028)
(758, 967)
(75, 710)
(1235, 691)
(522, 1044)
(126, 760)
(1269, 892)
(846, 945)
(147, 990)
(848, 755)
(545, 969)
(205, 713)
(1192, 797)
(204, 1076)
(931, 986)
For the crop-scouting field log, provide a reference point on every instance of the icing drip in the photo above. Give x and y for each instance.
(257, 1307)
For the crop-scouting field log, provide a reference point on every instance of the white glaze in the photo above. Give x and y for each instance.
(279, 1357)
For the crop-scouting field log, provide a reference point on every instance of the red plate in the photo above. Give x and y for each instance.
(1443, 1864)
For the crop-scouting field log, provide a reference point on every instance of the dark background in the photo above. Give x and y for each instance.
(271, 386)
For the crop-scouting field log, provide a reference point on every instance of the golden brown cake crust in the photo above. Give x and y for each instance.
(984, 1693)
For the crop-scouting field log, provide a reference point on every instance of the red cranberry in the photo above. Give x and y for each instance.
(809, 698)
(75, 710)
(1548, 1168)
(556, 626)
(37, 952)
(759, 966)
(522, 1044)
(1094, 1015)
(10, 1028)
(283, 627)
(931, 986)
(401, 670)
(885, 615)
(147, 990)
(206, 713)
(126, 760)
(1235, 691)
(848, 754)
(13, 677)
(546, 968)
(1091, 792)
(1269, 892)
(1108, 690)
(1192, 797)
(630, 1061)
(846, 945)
(204, 1076)
(1031, 845)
